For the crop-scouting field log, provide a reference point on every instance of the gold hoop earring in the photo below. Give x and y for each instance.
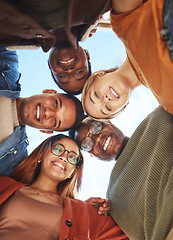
(126, 105)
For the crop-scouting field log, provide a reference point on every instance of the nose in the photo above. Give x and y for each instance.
(69, 69)
(49, 112)
(97, 138)
(63, 157)
(107, 97)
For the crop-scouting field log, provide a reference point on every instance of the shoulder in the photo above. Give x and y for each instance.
(124, 6)
(88, 212)
(7, 187)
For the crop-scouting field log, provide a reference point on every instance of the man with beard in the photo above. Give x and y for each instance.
(140, 187)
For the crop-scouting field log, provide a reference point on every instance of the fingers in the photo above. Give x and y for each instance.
(107, 203)
(105, 208)
(102, 205)
(95, 200)
(46, 131)
(49, 91)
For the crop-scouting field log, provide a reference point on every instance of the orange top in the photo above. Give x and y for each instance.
(146, 49)
(80, 220)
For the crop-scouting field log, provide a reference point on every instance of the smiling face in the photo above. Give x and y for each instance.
(48, 111)
(69, 67)
(107, 143)
(107, 95)
(57, 167)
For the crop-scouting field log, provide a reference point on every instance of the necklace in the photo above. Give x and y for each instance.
(43, 196)
(38, 191)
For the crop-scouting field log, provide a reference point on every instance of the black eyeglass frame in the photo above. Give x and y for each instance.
(88, 133)
(68, 152)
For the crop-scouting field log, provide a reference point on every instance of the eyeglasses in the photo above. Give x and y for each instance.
(88, 143)
(58, 150)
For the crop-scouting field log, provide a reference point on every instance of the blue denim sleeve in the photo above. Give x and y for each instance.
(9, 74)
(13, 151)
(167, 31)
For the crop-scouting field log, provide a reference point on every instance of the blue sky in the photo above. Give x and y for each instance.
(106, 51)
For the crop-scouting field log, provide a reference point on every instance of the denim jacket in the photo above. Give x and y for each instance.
(14, 149)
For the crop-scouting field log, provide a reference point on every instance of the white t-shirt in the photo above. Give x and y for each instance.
(8, 117)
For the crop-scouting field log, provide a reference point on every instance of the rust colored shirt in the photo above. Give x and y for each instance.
(146, 49)
(80, 220)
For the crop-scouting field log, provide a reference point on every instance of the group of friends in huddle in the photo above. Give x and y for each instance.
(37, 191)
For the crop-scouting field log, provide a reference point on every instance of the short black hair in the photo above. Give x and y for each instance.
(75, 92)
(79, 111)
(71, 132)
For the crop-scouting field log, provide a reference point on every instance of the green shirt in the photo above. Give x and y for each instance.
(141, 182)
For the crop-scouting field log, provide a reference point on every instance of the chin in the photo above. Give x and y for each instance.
(106, 158)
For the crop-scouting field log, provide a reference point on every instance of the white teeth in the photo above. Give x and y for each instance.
(114, 93)
(38, 112)
(106, 143)
(67, 61)
(58, 164)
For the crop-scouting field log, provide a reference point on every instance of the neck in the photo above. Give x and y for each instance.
(125, 140)
(128, 75)
(45, 184)
(19, 102)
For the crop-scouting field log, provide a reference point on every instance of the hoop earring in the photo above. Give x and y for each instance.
(126, 105)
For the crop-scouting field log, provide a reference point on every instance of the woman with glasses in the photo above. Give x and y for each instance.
(37, 202)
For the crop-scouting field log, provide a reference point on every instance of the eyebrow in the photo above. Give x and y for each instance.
(59, 125)
(60, 107)
(91, 98)
(60, 101)
(103, 112)
(95, 103)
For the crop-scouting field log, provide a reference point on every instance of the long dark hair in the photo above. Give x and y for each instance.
(28, 170)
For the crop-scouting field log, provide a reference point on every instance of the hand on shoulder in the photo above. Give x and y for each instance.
(102, 205)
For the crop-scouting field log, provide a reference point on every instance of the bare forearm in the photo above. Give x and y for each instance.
(122, 6)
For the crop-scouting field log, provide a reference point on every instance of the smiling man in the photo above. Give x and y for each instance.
(102, 139)
(140, 187)
(48, 112)
(70, 67)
